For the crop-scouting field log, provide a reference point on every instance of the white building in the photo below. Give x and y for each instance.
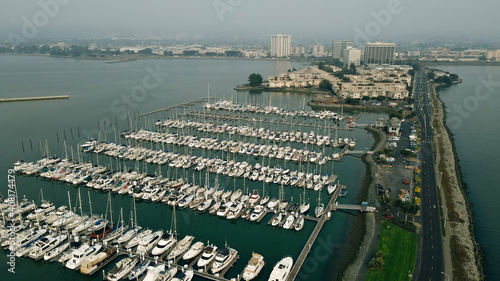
(379, 53)
(319, 51)
(280, 45)
(352, 55)
(297, 51)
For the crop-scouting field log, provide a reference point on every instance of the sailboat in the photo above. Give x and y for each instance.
(98, 234)
(320, 209)
(304, 207)
(183, 245)
(131, 233)
(117, 231)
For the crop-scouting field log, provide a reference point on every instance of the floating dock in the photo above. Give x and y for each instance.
(181, 105)
(307, 247)
(35, 98)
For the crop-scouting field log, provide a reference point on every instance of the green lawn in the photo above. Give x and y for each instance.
(400, 249)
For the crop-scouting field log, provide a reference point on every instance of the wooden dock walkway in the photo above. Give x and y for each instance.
(310, 242)
(181, 105)
(34, 98)
(229, 117)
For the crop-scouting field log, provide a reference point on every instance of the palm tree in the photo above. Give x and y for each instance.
(398, 203)
(414, 208)
(406, 206)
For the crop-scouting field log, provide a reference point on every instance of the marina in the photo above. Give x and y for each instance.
(149, 188)
(200, 224)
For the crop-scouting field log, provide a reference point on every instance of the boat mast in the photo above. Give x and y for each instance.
(69, 201)
(80, 201)
(90, 203)
(135, 213)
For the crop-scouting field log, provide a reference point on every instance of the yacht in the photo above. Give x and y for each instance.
(319, 210)
(148, 242)
(331, 188)
(224, 209)
(183, 275)
(137, 238)
(289, 222)
(273, 203)
(86, 224)
(254, 198)
(181, 247)
(56, 251)
(90, 265)
(281, 270)
(129, 234)
(45, 244)
(80, 254)
(24, 238)
(257, 213)
(253, 267)
(205, 205)
(68, 253)
(39, 213)
(154, 272)
(234, 211)
(304, 207)
(277, 219)
(194, 251)
(139, 270)
(121, 269)
(299, 224)
(208, 256)
(166, 243)
(224, 257)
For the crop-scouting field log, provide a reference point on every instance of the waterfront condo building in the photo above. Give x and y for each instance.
(352, 55)
(280, 45)
(379, 53)
(339, 46)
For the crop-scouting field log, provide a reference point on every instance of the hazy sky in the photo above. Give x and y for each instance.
(333, 19)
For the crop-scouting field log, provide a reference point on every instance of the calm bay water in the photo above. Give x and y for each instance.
(476, 132)
(93, 87)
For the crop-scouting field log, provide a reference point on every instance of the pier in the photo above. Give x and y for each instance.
(308, 246)
(181, 105)
(35, 98)
(229, 117)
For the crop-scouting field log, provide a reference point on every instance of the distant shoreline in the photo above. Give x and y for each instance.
(129, 58)
(135, 57)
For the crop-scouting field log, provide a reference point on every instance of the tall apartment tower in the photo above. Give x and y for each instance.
(379, 53)
(352, 55)
(280, 45)
(339, 46)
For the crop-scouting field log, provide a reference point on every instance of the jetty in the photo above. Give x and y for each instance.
(35, 98)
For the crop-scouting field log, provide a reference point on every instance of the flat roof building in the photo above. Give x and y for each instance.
(379, 53)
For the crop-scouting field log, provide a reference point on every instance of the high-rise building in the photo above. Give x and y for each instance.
(339, 46)
(352, 55)
(319, 51)
(280, 45)
(297, 51)
(379, 53)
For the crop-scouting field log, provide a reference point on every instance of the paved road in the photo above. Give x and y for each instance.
(431, 261)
